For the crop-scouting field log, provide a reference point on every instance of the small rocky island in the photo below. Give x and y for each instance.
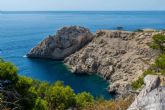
(120, 57)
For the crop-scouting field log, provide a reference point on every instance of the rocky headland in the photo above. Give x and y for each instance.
(118, 56)
(67, 41)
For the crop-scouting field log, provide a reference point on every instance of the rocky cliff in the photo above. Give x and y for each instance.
(118, 56)
(67, 41)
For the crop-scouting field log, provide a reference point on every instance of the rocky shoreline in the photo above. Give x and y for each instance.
(118, 56)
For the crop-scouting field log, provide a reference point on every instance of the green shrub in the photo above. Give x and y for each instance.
(84, 99)
(41, 104)
(27, 91)
(42, 89)
(160, 62)
(138, 83)
(23, 84)
(59, 83)
(8, 71)
(60, 97)
(158, 42)
(149, 72)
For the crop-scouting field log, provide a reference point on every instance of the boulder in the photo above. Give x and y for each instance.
(67, 41)
(150, 97)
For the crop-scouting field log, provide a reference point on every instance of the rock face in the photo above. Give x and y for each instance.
(67, 41)
(151, 97)
(118, 56)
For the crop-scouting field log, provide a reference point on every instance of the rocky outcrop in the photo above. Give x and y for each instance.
(67, 41)
(152, 96)
(118, 56)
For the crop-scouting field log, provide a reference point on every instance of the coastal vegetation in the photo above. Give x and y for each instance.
(22, 93)
(158, 68)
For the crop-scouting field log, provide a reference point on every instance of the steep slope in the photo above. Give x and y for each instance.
(118, 56)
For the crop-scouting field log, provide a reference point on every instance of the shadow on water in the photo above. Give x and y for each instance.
(51, 71)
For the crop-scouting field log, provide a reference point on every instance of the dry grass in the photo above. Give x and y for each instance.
(120, 104)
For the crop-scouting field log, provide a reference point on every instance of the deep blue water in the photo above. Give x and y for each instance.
(20, 31)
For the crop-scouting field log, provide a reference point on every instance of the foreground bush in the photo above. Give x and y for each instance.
(84, 99)
(27, 94)
(8, 71)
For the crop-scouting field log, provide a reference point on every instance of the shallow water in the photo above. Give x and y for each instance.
(20, 31)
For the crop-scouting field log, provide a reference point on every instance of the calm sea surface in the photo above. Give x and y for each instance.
(20, 31)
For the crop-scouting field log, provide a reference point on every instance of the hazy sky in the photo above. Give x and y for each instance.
(51, 5)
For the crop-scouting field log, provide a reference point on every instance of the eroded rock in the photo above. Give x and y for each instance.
(67, 41)
(151, 97)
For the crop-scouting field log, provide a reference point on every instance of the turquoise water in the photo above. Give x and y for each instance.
(20, 31)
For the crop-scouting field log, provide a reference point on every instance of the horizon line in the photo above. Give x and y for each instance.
(69, 10)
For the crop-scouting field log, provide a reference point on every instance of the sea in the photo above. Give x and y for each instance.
(21, 31)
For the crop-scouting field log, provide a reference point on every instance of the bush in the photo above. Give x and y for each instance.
(84, 99)
(23, 84)
(138, 83)
(60, 97)
(42, 89)
(158, 42)
(8, 71)
(160, 62)
(27, 91)
(41, 104)
(149, 72)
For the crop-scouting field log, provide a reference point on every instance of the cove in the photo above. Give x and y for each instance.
(20, 31)
(51, 71)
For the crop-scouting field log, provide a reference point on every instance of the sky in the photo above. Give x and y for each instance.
(81, 5)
